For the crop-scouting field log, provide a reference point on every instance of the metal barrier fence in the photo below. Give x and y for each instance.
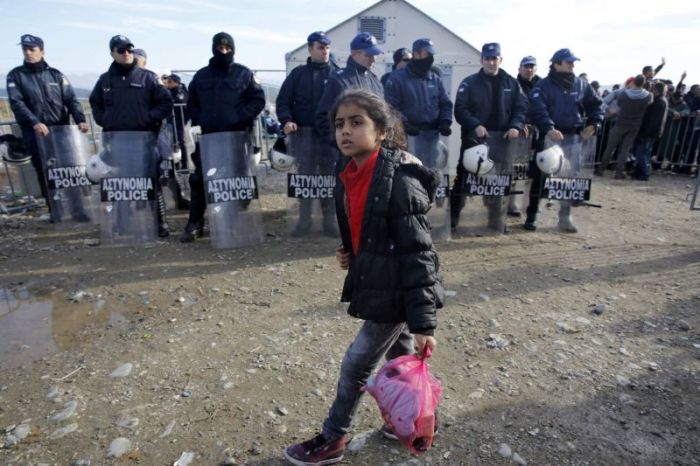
(677, 149)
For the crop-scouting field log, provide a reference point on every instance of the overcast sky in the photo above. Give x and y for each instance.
(612, 38)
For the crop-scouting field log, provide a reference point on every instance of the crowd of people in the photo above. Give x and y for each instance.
(380, 137)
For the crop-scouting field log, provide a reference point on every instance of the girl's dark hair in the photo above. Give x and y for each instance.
(384, 116)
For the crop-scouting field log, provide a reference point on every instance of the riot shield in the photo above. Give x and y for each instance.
(520, 182)
(64, 153)
(432, 150)
(484, 192)
(565, 192)
(235, 217)
(310, 184)
(128, 192)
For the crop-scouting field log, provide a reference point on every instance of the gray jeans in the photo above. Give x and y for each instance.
(620, 138)
(371, 343)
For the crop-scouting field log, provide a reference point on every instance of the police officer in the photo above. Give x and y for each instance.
(527, 78)
(489, 100)
(559, 106)
(179, 94)
(419, 95)
(224, 96)
(297, 102)
(401, 58)
(40, 97)
(357, 74)
(130, 98)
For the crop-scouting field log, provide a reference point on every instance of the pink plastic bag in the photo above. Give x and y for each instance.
(408, 396)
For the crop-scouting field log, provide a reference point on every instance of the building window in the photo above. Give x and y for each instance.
(375, 25)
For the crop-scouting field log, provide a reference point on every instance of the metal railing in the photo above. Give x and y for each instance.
(677, 149)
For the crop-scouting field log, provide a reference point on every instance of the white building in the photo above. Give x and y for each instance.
(396, 24)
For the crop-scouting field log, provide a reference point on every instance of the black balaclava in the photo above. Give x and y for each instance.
(422, 65)
(563, 78)
(222, 60)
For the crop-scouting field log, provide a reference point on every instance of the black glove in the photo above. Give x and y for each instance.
(445, 129)
(411, 130)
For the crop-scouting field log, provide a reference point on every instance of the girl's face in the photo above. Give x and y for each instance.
(355, 132)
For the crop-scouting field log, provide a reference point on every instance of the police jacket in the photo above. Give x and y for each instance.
(560, 101)
(395, 276)
(475, 103)
(301, 92)
(353, 76)
(225, 100)
(129, 99)
(41, 94)
(421, 99)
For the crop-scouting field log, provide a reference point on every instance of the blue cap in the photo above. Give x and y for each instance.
(119, 41)
(491, 50)
(424, 44)
(140, 53)
(318, 36)
(529, 60)
(564, 55)
(367, 42)
(28, 40)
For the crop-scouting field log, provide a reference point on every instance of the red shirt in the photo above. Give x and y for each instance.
(356, 181)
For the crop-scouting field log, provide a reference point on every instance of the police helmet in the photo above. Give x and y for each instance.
(551, 160)
(279, 158)
(476, 159)
(96, 169)
(12, 149)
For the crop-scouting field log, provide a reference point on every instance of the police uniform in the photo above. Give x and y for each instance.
(494, 102)
(353, 76)
(39, 93)
(223, 96)
(297, 102)
(560, 101)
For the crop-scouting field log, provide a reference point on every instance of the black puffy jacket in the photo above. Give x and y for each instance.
(301, 92)
(41, 94)
(474, 104)
(225, 100)
(130, 101)
(395, 276)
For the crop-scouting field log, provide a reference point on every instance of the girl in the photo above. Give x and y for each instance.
(393, 280)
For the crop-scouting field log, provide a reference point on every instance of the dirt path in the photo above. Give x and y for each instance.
(235, 353)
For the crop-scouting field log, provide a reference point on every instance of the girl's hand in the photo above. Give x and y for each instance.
(423, 341)
(342, 257)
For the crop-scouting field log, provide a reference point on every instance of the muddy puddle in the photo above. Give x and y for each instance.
(33, 326)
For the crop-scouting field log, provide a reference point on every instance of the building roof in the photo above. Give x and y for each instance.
(352, 18)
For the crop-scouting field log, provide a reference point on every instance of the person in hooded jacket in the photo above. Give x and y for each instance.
(223, 96)
(357, 74)
(40, 97)
(560, 105)
(297, 102)
(420, 96)
(650, 130)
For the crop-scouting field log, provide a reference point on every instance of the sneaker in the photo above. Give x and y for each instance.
(620, 176)
(316, 452)
(192, 232)
(163, 230)
(81, 217)
(530, 226)
(514, 213)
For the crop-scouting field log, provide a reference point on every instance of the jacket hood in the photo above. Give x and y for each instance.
(428, 178)
(636, 93)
